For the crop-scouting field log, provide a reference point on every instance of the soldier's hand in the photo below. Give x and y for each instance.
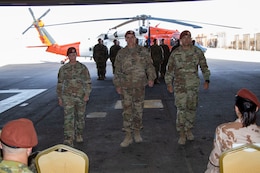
(118, 90)
(150, 83)
(86, 98)
(206, 85)
(60, 101)
(170, 88)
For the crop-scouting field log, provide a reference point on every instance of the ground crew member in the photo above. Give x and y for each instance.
(183, 69)
(113, 52)
(73, 90)
(133, 71)
(157, 56)
(100, 55)
(242, 131)
(18, 137)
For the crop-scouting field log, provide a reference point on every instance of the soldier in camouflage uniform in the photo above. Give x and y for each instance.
(100, 55)
(183, 68)
(133, 71)
(73, 90)
(242, 131)
(18, 137)
(157, 56)
(113, 52)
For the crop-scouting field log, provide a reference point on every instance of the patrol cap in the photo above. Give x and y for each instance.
(19, 133)
(71, 50)
(184, 33)
(247, 94)
(130, 32)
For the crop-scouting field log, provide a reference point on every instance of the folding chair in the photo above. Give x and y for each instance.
(241, 159)
(62, 159)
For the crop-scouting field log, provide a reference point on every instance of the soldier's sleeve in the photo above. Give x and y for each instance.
(60, 82)
(169, 75)
(217, 147)
(118, 70)
(204, 66)
(150, 71)
(87, 80)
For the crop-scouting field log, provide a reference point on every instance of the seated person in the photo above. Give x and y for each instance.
(18, 137)
(243, 130)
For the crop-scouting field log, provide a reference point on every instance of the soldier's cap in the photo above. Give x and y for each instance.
(184, 33)
(247, 94)
(130, 32)
(71, 50)
(19, 133)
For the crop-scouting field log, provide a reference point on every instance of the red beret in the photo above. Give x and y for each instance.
(184, 33)
(71, 50)
(130, 32)
(19, 133)
(245, 93)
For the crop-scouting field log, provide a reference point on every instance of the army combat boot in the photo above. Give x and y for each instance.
(128, 140)
(189, 135)
(182, 139)
(79, 138)
(137, 136)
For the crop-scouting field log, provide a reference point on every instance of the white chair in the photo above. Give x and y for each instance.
(241, 159)
(62, 159)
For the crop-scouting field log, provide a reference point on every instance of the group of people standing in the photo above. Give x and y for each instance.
(134, 69)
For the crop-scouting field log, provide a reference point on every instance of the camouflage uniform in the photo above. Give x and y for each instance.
(100, 55)
(8, 166)
(183, 68)
(74, 83)
(228, 134)
(133, 69)
(157, 56)
(112, 54)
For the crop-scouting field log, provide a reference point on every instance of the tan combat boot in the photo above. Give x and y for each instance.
(128, 140)
(182, 139)
(137, 136)
(79, 138)
(189, 135)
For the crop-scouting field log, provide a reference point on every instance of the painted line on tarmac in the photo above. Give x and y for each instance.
(147, 104)
(20, 96)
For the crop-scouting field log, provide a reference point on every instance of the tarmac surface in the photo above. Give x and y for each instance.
(29, 90)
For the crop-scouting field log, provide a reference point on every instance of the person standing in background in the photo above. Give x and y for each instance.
(100, 55)
(157, 57)
(113, 52)
(166, 54)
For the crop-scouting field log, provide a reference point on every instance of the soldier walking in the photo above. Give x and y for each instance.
(73, 90)
(183, 69)
(133, 71)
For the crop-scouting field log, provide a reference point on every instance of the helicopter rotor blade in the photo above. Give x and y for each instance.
(124, 23)
(175, 21)
(86, 21)
(225, 26)
(34, 19)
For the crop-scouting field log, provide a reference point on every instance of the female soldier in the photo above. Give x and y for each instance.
(243, 130)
